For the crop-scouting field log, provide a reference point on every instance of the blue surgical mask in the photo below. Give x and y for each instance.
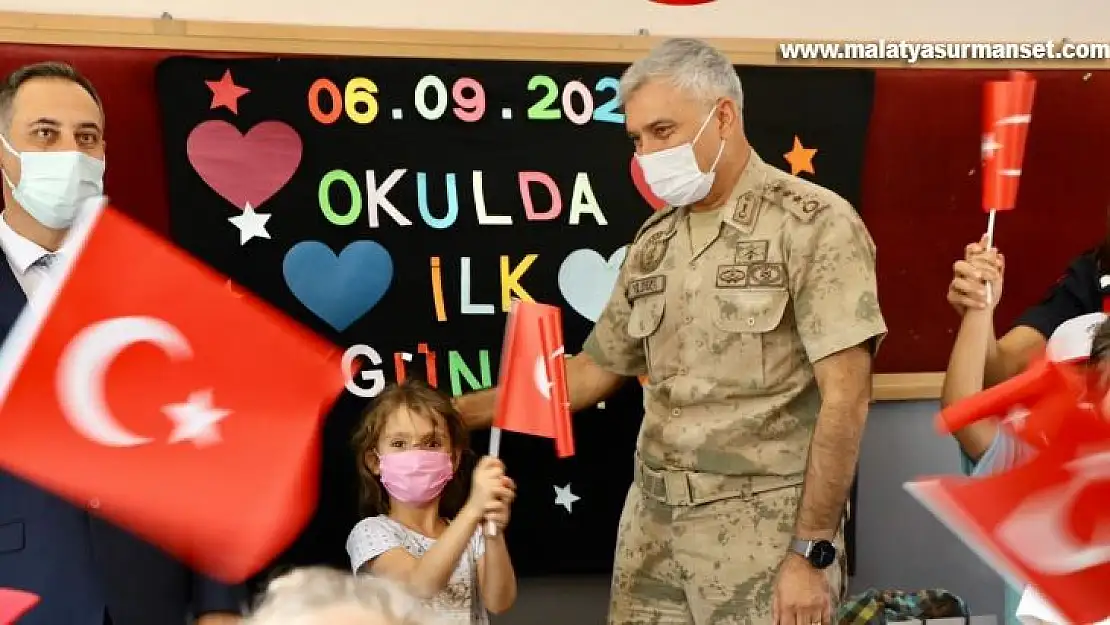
(54, 185)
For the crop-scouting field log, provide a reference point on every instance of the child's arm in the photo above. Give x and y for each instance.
(964, 378)
(968, 361)
(424, 576)
(496, 577)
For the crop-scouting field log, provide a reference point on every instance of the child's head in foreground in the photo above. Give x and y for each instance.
(409, 447)
(323, 596)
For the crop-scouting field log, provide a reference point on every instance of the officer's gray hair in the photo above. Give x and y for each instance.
(294, 598)
(691, 65)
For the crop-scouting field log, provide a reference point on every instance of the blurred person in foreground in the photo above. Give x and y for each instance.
(87, 571)
(989, 448)
(322, 596)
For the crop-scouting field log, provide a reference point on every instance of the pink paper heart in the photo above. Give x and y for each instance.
(642, 185)
(244, 168)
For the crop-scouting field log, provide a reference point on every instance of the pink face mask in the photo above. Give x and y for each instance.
(416, 476)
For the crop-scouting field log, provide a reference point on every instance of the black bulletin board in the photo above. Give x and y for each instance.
(359, 157)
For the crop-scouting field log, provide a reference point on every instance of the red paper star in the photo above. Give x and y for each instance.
(226, 93)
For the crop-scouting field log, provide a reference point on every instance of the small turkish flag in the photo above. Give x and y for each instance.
(1045, 523)
(1029, 403)
(1007, 111)
(147, 391)
(14, 604)
(532, 390)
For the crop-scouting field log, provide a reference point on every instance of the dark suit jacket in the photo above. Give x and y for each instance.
(82, 566)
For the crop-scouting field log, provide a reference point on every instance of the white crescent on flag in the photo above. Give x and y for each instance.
(80, 381)
(539, 374)
(1037, 530)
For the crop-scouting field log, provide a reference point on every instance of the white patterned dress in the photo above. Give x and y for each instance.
(460, 603)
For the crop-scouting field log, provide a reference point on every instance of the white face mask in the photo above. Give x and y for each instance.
(673, 174)
(54, 185)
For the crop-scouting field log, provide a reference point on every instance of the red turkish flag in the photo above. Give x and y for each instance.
(1007, 111)
(532, 390)
(1045, 523)
(14, 604)
(145, 389)
(1028, 404)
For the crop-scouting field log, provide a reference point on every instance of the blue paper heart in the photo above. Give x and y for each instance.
(338, 289)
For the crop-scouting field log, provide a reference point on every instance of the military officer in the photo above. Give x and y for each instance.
(750, 304)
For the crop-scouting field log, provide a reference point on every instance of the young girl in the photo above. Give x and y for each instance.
(409, 447)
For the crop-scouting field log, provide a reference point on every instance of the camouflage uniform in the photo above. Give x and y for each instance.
(726, 331)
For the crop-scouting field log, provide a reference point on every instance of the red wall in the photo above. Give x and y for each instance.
(920, 194)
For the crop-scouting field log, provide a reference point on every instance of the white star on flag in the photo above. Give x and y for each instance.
(989, 146)
(250, 224)
(565, 498)
(196, 419)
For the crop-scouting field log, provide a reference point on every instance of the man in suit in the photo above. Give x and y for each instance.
(87, 571)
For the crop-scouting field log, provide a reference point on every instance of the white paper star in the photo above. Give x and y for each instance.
(196, 419)
(565, 498)
(250, 224)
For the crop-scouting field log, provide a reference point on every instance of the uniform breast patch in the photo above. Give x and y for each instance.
(752, 251)
(766, 275)
(643, 287)
(732, 276)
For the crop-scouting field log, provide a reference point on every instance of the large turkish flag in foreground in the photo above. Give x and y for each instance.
(532, 390)
(147, 390)
(1045, 523)
(14, 604)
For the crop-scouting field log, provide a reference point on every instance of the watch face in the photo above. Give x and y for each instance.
(822, 554)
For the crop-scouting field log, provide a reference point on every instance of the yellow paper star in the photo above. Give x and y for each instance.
(800, 158)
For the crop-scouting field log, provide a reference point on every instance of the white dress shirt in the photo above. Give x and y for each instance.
(24, 258)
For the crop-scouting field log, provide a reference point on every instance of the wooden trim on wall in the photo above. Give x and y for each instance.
(211, 36)
(206, 36)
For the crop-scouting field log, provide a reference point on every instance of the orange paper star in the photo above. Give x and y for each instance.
(226, 93)
(800, 158)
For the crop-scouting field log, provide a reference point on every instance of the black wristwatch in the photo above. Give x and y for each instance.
(819, 553)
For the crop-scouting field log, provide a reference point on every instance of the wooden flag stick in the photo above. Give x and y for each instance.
(494, 450)
(990, 244)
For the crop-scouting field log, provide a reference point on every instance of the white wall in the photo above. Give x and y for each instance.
(925, 20)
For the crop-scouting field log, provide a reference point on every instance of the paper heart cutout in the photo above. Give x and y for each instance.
(244, 168)
(338, 289)
(586, 280)
(642, 185)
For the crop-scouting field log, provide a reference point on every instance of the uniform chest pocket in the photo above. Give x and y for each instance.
(743, 318)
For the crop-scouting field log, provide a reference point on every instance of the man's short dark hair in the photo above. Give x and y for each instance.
(47, 69)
